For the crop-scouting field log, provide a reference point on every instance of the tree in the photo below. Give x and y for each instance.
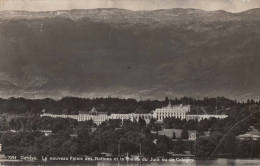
(178, 146)
(141, 123)
(166, 100)
(173, 135)
(164, 145)
(229, 143)
(184, 134)
(204, 147)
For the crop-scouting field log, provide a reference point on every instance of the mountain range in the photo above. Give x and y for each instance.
(123, 53)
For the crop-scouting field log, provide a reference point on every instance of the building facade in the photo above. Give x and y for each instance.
(252, 135)
(100, 117)
(192, 134)
(132, 117)
(205, 116)
(170, 111)
(181, 112)
(159, 114)
(93, 114)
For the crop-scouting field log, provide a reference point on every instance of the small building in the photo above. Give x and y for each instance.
(252, 135)
(74, 135)
(13, 131)
(205, 116)
(46, 132)
(192, 134)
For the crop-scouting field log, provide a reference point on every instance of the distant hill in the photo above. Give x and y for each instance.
(116, 52)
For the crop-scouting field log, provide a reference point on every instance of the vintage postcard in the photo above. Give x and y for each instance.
(130, 82)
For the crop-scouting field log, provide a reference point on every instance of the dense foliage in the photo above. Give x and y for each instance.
(105, 138)
(71, 105)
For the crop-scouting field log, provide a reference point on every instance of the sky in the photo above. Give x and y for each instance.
(50, 5)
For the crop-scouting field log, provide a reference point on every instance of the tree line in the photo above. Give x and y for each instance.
(71, 105)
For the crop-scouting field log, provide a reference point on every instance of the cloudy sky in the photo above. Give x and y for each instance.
(47, 5)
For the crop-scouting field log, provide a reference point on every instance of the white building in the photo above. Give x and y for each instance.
(192, 134)
(98, 119)
(59, 116)
(205, 116)
(93, 114)
(170, 111)
(132, 117)
(46, 132)
(181, 112)
(252, 135)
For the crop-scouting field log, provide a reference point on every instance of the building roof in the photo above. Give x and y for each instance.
(249, 136)
(252, 133)
(169, 132)
(46, 131)
(93, 110)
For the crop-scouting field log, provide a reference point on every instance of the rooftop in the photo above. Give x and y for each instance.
(93, 111)
(252, 133)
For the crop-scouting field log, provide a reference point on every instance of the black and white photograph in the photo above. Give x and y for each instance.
(129, 82)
